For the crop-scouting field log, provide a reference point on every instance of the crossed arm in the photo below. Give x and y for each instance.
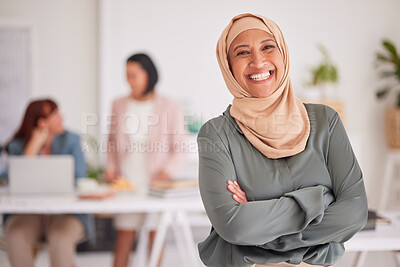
(307, 217)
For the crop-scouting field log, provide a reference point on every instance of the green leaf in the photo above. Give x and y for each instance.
(324, 51)
(325, 72)
(383, 58)
(391, 48)
(387, 74)
(382, 93)
(334, 74)
(397, 73)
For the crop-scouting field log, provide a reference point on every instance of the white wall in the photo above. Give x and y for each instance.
(64, 51)
(181, 37)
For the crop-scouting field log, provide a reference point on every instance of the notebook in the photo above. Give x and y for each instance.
(41, 174)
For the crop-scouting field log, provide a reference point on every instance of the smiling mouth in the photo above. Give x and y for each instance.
(260, 76)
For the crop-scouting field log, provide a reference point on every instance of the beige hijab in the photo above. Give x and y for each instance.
(277, 125)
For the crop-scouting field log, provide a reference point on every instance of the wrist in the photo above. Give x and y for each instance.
(32, 148)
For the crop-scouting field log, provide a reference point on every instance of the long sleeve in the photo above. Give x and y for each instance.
(257, 222)
(69, 143)
(348, 213)
(177, 141)
(112, 144)
(80, 163)
(16, 147)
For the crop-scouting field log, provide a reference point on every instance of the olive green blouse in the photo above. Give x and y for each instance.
(301, 208)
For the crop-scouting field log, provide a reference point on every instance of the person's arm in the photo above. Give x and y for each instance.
(324, 254)
(176, 144)
(15, 147)
(77, 153)
(257, 222)
(348, 214)
(112, 167)
(36, 142)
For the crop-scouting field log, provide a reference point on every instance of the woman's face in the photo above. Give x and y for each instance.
(54, 123)
(256, 62)
(137, 78)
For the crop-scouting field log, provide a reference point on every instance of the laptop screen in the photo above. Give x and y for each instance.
(41, 174)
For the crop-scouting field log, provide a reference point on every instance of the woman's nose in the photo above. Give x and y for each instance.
(257, 61)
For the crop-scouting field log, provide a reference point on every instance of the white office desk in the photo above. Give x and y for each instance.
(173, 213)
(383, 238)
(70, 203)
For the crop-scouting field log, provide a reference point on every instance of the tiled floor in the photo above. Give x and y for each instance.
(171, 259)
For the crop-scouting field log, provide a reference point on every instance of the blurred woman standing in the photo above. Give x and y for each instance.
(146, 134)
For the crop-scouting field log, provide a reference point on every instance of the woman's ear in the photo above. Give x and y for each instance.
(42, 124)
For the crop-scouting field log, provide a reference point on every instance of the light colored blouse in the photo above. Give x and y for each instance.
(167, 136)
(301, 208)
(134, 165)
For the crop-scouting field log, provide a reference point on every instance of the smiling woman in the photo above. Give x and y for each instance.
(247, 52)
(278, 189)
(256, 62)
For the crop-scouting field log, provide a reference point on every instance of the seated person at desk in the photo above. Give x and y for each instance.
(42, 133)
(146, 133)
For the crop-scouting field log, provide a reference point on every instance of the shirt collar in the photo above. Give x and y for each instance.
(227, 113)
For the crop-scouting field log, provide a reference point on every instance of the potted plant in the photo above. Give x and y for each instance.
(90, 149)
(324, 75)
(389, 70)
(322, 86)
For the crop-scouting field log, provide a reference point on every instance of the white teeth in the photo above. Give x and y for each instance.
(260, 77)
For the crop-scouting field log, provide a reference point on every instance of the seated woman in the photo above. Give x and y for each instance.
(42, 133)
(278, 178)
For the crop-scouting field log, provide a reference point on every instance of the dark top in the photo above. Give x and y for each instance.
(301, 208)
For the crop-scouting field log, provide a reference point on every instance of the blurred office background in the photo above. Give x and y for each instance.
(75, 50)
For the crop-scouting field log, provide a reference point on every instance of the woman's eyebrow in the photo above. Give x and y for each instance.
(268, 40)
(239, 46)
(264, 41)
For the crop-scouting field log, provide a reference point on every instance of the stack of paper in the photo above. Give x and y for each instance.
(373, 220)
(174, 188)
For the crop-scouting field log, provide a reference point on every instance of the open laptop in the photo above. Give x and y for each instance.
(41, 174)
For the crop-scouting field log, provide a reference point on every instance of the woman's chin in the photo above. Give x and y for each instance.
(260, 93)
(136, 96)
(60, 131)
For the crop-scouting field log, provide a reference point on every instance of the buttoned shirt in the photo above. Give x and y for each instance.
(300, 208)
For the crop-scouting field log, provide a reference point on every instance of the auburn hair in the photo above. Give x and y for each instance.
(36, 110)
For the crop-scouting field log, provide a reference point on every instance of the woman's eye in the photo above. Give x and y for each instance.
(268, 47)
(242, 53)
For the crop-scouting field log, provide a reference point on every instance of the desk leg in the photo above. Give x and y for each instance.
(143, 243)
(159, 240)
(180, 242)
(360, 259)
(387, 178)
(183, 220)
(397, 257)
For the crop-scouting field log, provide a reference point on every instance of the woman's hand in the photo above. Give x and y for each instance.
(162, 175)
(238, 195)
(36, 142)
(110, 176)
(39, 136)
